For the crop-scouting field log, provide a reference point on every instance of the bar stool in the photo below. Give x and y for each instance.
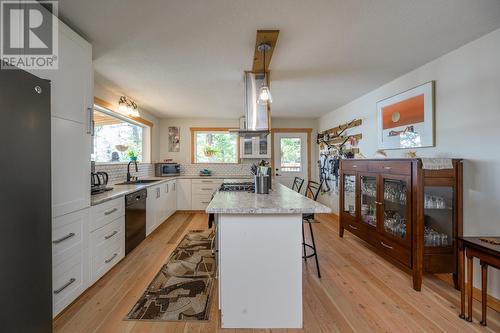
(297, 184)
(312, 189)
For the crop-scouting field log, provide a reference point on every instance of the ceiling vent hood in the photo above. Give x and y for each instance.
(257, 117)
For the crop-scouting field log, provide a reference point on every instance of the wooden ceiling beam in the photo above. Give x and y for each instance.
(264, 36)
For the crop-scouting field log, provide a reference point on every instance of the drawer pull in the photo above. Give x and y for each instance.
(387, 168)
(354, 166)
(107, 261)
(353, 227)
(206, 189)
(111, 211)
(62, 239)
(205, 202)
(111, 235)
(386, 246)
(206, 181)
(66, 285)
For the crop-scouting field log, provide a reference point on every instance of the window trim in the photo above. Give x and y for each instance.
(212, 129)
(106, 107)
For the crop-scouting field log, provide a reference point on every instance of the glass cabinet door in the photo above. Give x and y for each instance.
(247, 146)
(350, 195)
(263, 146)
(395, 205)
(439, 216)
(369, 200)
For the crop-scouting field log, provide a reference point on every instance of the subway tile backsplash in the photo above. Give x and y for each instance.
(118, 172)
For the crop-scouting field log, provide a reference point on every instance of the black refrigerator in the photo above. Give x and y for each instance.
(25, 201)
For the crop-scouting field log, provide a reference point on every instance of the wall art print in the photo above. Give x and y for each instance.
(174, 139)
(406, 120)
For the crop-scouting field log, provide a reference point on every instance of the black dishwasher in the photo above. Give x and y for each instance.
(135, 219)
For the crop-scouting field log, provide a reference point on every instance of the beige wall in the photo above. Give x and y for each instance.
(467, 121)
(184, 156)
(112, 97)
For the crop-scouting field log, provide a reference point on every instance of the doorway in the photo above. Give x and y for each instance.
(291, 155)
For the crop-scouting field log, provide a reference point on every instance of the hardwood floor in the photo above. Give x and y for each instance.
(358, 291)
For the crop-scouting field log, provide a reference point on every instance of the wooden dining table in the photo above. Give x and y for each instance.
(487, 250)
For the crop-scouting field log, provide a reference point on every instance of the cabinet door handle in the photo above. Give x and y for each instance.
(174, 186)
(387, 167)
(378, 203)
(354, 166)
(167, 188)
(66, 285)
(90, 119)
(386, 246)
(353, 227)
(111, 235)
(107, 261)
(111, 211)
(158, 192)
(62, 239)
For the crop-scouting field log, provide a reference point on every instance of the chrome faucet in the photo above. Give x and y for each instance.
(128, 170)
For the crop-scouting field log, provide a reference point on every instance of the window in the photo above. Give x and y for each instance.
(214, 146)
(117, 139)
(290, 154)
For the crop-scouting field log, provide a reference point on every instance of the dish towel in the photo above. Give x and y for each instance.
(436, 163)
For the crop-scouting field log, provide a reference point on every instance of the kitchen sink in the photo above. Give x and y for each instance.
(139, 181)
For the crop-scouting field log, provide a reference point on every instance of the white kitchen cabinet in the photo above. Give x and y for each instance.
(255, 147)
(153, 207)
(183, 190)
(170, 201)
(70, 253)
(202, 191)
(72, 90)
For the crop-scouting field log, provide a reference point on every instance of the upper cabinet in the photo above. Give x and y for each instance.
(255, 147)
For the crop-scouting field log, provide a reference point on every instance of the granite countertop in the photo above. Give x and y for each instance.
(280, 200)
(122, 190)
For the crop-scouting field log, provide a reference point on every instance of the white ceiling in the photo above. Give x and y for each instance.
(185, 58)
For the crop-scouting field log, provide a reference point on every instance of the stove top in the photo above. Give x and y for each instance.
(242, 187)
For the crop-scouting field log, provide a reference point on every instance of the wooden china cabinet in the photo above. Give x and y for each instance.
(410, 215)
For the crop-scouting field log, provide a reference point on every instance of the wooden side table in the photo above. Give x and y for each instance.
(487, 250)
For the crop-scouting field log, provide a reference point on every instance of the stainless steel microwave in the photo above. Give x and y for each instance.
(167, 169)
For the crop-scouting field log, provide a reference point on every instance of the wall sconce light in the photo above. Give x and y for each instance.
(128, 107)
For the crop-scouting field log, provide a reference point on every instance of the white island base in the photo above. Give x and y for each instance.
(260, 270)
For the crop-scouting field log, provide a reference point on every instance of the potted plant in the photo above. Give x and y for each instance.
(132, 155)
(209, 151)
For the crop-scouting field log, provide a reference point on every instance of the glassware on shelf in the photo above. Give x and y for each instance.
(435, 238)
(350, 194)
(368, 200)
(395, 224)
(434, 202)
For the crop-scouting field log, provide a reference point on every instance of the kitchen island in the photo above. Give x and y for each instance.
(259, 239)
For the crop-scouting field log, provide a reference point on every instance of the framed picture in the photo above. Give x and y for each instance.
(174, 139)
(406, 120)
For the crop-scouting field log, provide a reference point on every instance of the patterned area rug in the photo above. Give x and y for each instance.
(182, 289)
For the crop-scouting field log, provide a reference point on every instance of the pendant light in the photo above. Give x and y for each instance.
(264, 96)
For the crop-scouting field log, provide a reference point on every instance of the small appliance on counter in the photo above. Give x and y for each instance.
(167, 169)
(98, 182)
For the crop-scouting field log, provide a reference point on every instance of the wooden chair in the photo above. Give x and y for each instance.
(312, 191)
(297, 184)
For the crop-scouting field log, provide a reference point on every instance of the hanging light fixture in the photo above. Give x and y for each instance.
(264, 96)
(128, 107)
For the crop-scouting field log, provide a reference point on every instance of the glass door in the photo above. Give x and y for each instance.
(349, 189)
(439, 214)
(395, 207)
(369, 199)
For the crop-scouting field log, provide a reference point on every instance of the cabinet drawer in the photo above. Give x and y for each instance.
(107, 254)
(392, 167)
(394, 250)
(106, 212)
(206, 181)
(67, 282)
(355, 228)
(209, 188)
(201, 201)
(354, 165)
(67, 232)
(108, 233)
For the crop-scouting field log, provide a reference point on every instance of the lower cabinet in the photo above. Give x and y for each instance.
(184, 194)
(70, 254)
(202, 191)
(160, 204)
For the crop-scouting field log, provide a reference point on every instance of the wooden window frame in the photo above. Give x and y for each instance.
(106, 105)
(212, 129)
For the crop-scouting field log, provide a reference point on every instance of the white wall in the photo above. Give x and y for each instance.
(112, 97)
(467, 126)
